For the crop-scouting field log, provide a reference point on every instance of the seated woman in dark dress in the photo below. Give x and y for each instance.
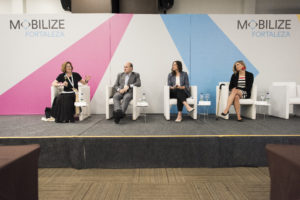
(240, 88)
(63, 109)
(179, 88)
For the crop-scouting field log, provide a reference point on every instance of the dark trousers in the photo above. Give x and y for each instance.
(180, 95)
(63, 109)
(127, 97)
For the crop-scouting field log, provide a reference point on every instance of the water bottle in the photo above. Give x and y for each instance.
(201, 97)
(207, 96)
(268, 97)
(144, 97)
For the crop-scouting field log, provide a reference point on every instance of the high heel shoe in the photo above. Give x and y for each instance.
(178, 120)
(191, 110)
(223, 114)
(240, 120)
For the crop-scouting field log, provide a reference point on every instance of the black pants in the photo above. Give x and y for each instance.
(180, 95)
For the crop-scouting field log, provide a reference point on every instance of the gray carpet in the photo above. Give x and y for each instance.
(156, 125)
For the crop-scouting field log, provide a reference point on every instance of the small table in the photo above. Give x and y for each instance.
(206, 105)
(284, 168)
(19, 171)
(263, 103)
(143, 105)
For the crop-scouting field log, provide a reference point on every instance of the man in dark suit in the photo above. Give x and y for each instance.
(124, 89)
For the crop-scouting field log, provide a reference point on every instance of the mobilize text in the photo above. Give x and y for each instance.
(38, 24)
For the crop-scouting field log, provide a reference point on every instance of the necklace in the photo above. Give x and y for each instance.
(70, 81)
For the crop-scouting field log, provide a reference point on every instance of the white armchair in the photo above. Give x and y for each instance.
(248, 107)
(192, 100)
(109, 102)
(284, 95)
(84, 99)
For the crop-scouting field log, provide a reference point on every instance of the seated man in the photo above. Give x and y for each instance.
(124, 89)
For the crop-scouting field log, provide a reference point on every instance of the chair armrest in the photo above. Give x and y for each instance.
(225, 87)
(54, 92)
(108, 92)
(136, 94)
(279, 93)
(166, 93)
(254, 92)
(194, 93)
(223, 96)
(279, 101)
(52, 89)
(84, 93)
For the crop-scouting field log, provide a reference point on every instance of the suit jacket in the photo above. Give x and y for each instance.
(134, 80)
(184, 81)
(249, 82)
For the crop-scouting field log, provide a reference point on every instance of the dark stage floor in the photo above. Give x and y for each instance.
(155, 126)
(100, 143)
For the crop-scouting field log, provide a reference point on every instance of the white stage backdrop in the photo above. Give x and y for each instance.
(33, 47)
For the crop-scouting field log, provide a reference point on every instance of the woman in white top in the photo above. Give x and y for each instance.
(179, 88)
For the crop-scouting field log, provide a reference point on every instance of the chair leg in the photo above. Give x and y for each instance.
(134, 113)
(248, 111)
(109, 111)
(297, 109)
(167, 112)
(194, 114)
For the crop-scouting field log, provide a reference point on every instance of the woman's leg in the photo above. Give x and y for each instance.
(237, 106)
(187, 106)
(230, 100)
(181, 96)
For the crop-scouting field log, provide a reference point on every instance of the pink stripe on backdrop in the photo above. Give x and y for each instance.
(89, 56)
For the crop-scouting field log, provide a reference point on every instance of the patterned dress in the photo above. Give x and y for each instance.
(242, 85)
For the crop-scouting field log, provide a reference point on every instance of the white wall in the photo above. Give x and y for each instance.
(31, 7)
(17, 6)
(180, 6)
(44, 7)
(5, 7)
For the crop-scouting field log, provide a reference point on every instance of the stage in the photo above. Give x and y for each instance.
(100, 143)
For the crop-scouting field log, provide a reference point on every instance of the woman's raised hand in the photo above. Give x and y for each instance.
(87, 78)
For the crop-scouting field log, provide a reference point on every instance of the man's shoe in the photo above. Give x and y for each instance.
(117, 119)
(123, 115)
(117, 116)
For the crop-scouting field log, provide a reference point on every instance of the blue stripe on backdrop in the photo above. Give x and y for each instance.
(179, 28)
(211, 53)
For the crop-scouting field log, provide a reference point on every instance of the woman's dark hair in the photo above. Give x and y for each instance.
(179, 66)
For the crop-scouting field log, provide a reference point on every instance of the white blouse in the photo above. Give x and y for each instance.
(177, 80)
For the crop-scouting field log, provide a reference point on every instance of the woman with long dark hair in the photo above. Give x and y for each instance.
(179, 88)
(240, 88)
(63, 109)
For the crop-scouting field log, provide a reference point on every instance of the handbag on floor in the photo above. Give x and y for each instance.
(47, 112)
